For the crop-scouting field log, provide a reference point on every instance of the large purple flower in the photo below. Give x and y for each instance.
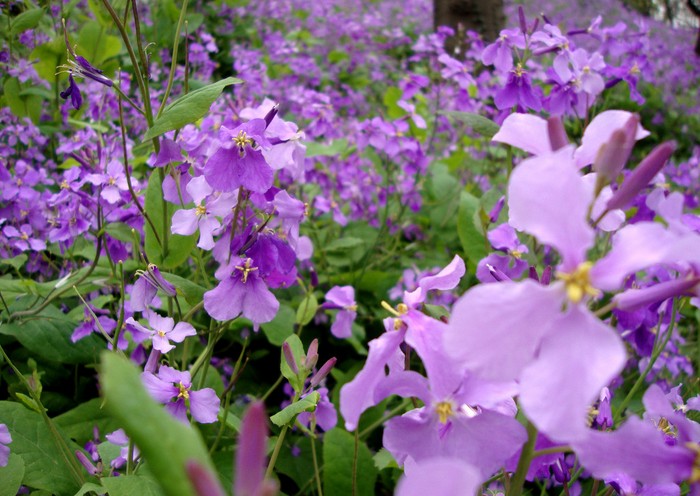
(173, 388)
(239, 162)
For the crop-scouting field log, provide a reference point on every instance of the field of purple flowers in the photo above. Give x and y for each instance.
(287, 247)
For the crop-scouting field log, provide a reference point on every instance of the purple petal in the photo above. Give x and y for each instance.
(343, 296)
(495, 329)
(525, 131)
(539, 188)
(204, 405)
(342, 326)
(250, 455)
(184, 222)
(161, 343)
(439, 476)
(181, 331)
(599, 131)
(573, 365)
(160, 390)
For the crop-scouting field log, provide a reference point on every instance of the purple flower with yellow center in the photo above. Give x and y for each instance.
(500, 52)
(23, 238)
(239, 161)
(146, 287)
(173, 388)
(518, 91)
(544, 336)
(242, 291)
(163, 331)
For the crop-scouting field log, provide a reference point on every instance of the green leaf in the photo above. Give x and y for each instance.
(193, 292)
(120, 231)
(471, 235)
(26, 20)
(44, 464)
(479, 123)
(338, 450)
(179, 247)
(15, 262)
(48, 336)
(188, 108)
(307, 309)
(132, 484)
(391, 99)
(21, 106)
(49, 55)
(383, 459)
(79, 422)
(91, 487)
(96, 45)
(306, 404)
(11, 475)
(281, 327)
(231, 421)
(165, 443)
(335, 148)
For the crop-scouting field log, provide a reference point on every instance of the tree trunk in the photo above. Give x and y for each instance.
(484, 16)
(695, 9)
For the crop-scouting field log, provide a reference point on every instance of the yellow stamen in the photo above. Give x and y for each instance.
(200, 210)
(184, 392)
(578, 282)
(695, 474)
(246, 269)
(444, 411)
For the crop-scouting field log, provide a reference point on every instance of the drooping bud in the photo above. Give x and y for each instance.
(85, 462)
(271, 114)
(204, 482)
(323, 372)
(557, 134)
(642, 175)
(289, 357)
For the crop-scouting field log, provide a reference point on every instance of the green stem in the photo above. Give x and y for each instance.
(354, 462)
(276, 451)
(173, 62)
(526, 455)
(317, 474)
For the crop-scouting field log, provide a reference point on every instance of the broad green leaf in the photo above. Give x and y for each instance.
(192, 292)
(79, 422)
(11, 475)
(26, 20)
(306, 404)
(90, 487)
(165, 443)
(45, 466)
(335, 148)
(338, 451)
(281, 327)
(231, 421)
(391, 99)
(120, 231)
(299, 466)
(179, 247)
(22, 106)
(48, 335)
(49, 56)
(132, 484)
(307, 309)
(479, 123)
(15, 262)
(383, 459)
(474, 243)
(96, 45)
(188, 108)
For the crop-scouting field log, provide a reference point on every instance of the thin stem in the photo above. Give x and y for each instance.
(317, 474)
(526, 455)
(272, 388)
(128, 100)
(552, 450)
(276, 451)
(354, 462)
(386, 417)
(173, 61)
(128, 174)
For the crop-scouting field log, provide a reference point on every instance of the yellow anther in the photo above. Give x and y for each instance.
(519, 71)
(444, 411)
(634, 69)
(111, 181)
(161, 333)
(578, 282)
(246, 269)
(184, 392)
(200, 210)
(695, 474)
(65, 185)
(516, 254)
(400, 310)
(352, 308)
(667, 427)
(242, 139)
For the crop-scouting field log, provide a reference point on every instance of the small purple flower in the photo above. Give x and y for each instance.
(119, 438)
(146, 287)
(163, 330)
(5, 439)
(23, 239)
(171, 384)
(499, 53)
(342, 298)
(518, 91)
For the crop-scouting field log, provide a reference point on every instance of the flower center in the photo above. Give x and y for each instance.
(400, 310)
(444, 411)
(161, 333)
(578, 282)
(246, 269)
(519, 71)
(242, 139)
(184, 391)
(200, 210)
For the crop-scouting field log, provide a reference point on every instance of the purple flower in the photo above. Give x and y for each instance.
(518, 91)
(342, 298)
(440, 475)
(146, 287)
(239, 162)
(241, 291)
(499, 53)
(163, 330)
(171, 384)
(119, 438)
(5, 439)
(23, 239)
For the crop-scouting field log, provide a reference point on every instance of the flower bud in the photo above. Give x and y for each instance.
(289, 357)
(323, 372)
(557, 134)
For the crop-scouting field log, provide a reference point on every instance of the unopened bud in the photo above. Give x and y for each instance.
(613, 155)
(204, 482)
(557, 134)
(271, 114)
(638, 298)
(546, 276)
(85, 462)
(289, 357)
(641, 176)
(521, 18)
(323, 372)
(311, 355)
